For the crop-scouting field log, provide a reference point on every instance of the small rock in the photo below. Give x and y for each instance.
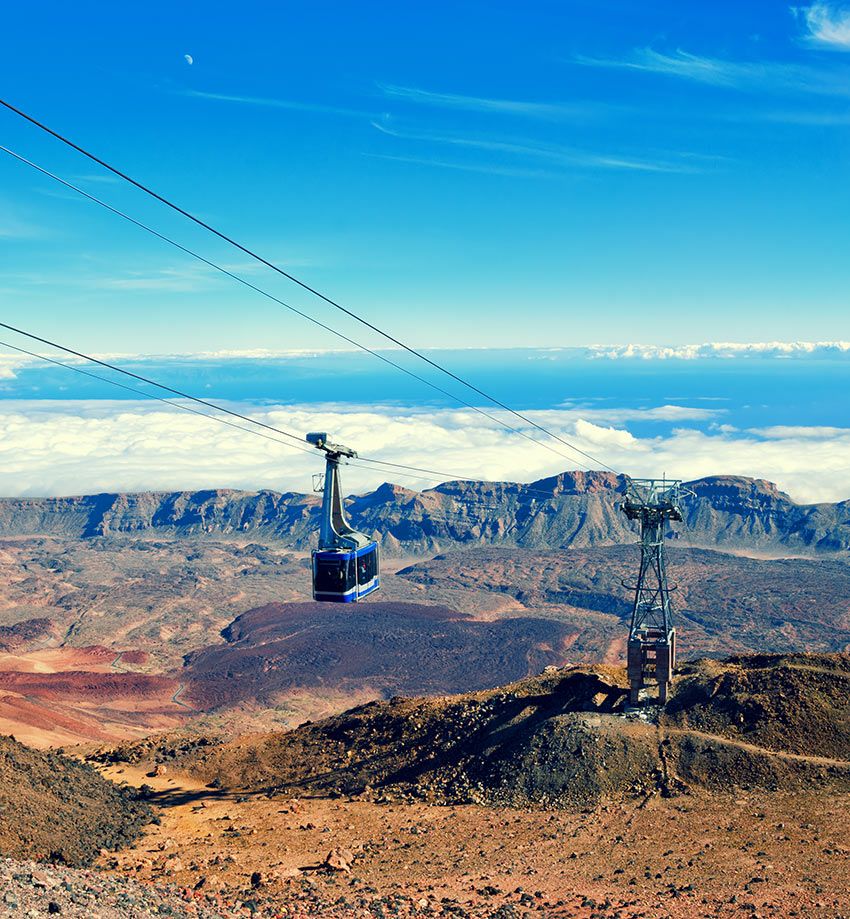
(339, 860)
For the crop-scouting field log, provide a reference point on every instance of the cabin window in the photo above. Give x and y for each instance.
(334, 575)
(367, 566)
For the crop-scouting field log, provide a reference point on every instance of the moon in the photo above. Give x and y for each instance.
(189, 59)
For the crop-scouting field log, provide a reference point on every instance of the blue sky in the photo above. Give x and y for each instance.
(464, 174)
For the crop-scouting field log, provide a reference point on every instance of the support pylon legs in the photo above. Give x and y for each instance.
(653, 503)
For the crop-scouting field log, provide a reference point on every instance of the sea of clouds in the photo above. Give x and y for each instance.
(64, 448)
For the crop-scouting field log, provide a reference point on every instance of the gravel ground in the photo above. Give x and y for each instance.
(28, 889)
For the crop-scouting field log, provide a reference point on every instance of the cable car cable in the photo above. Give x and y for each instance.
(150, 395)
(142, 379)
(282, 303)
(295, 280)
(446, 476)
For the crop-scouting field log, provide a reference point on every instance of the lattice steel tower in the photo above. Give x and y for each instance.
(652, 637)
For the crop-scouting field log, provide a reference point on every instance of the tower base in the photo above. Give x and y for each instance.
(650, 661)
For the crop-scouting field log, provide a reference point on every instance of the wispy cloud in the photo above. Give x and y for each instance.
(14, 227)
(815, 432)
(10, 228)
(174, 280)
(827, 24)
(806, 118)
(98, 178)
(482, 168)
(556, 155)
(546, 110)
(266, 102)
(770, 76)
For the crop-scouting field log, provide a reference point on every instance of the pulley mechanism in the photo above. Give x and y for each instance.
(346, 564)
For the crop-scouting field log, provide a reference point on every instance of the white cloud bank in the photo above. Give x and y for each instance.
(88, 447)
(725, 350)
(779, 77)
(10, 363)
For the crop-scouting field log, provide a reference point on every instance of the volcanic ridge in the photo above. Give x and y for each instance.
(565, 738)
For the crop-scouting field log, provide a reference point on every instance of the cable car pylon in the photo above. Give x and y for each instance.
(651, 654)
(346, 566)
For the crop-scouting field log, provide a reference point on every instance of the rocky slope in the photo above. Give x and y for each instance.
(22, 635)
(31, 889)
(578, 509)
(56, 809)
(562, 739)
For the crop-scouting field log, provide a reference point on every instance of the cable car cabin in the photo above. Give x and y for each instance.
(346, 567)
(343, 577)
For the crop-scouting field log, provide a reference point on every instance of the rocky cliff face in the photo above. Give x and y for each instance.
(571, 509)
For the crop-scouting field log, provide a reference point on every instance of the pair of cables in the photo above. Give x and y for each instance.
(256, 426)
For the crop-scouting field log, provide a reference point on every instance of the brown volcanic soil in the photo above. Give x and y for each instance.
(104, 608)
(798, 704)
(694, 856)
(380, 647)
(84, 686)
(56, 809)
(43, 707)
(24, 634)
(165, 598)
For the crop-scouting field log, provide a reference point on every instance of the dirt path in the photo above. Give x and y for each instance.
(752, 748)
(176, 698)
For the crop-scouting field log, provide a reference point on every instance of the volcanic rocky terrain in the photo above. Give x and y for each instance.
(571, 509)
(126, 614)
(563, 738)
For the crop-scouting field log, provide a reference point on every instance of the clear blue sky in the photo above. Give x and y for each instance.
(463, 173)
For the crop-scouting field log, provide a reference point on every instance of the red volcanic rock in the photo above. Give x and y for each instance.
(79, 685)
(580, 483)
(135, 657)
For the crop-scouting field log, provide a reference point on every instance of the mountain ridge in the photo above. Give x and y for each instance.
(569, 509)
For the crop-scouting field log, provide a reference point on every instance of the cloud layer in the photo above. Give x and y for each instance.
(84, 447)
(11, 363)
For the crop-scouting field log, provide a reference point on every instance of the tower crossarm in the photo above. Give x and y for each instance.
(334, 451)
